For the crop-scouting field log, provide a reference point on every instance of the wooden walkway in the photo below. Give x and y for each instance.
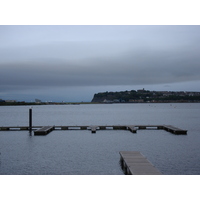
(134, 163)
(94, 128)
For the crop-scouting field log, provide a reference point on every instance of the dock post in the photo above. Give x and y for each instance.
(30, 119)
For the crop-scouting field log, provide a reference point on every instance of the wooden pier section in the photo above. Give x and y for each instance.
(17, 128)
(94, 128)
(174, 130)
(133, 129)
(134, 163)
(44, 130)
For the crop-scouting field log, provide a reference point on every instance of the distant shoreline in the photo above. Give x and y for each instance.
(79, 103)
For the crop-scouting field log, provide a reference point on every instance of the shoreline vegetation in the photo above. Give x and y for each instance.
(139, 96)
(146, 96)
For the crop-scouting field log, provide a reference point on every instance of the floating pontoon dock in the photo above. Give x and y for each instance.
(43, 130)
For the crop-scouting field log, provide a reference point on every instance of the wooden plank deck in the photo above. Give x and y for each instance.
(44, 130)
(134, 163)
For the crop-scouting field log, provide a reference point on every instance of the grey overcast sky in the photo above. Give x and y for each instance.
(71, 63)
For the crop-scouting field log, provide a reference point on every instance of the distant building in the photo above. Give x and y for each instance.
(141, 90)
(10, 101)
(38, 101)
(116, 101)
(107, 101)
(136, 100)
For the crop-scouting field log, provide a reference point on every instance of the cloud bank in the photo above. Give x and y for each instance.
(149, 58)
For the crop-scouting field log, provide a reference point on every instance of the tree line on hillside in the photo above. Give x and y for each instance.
(146, 96)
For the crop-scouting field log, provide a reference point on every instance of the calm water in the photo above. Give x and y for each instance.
(80, 152)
